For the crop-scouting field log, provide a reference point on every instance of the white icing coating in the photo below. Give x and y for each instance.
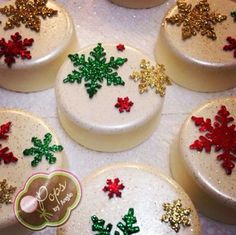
(199, 63)
(51, 45)
(202, 176)
(96, 123)
(24, 127)
(146, 189)
(138, 3)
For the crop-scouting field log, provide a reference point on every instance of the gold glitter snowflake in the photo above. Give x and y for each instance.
(27, 12)
(151, 76)
(6, 192)
(176, 215)
(197, 19)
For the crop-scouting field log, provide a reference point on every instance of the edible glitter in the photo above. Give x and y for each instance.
(6, 192)
(197, 19)
(221, 134)
(151, 76)
(42, 148)
(27, 12)
(14, 48)
(95, 69)
(176, 215)
(124, 104)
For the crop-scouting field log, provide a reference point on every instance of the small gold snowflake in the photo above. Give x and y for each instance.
(6, 192)
(197, 19)
(151, 76)
(176, 215)
(27, 12)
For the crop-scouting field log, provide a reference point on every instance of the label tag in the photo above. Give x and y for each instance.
(47, 200)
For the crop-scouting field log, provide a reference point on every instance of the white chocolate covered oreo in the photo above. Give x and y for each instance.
(203, 159)
(24, 141)
(132, 199)
(36, 37)
(197, 43)
(138, 3)
(110, 97)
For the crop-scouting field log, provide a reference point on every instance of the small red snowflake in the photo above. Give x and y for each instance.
(113, 187)
(231, 46)
(124, 104)
(15, 48)
(6, 156)
(120, 47)
(4, 129)
(220, 134)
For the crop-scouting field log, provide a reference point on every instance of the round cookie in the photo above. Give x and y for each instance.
(196, 43)
(106, 101)
(138, 3)
(203, 159)
(142, 194)
(17, 128)
(44, 49)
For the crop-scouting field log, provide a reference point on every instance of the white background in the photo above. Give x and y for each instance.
(100, 21)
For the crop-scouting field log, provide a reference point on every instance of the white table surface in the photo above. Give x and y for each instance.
(100, 21)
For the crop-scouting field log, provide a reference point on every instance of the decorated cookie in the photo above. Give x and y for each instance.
(110, 97)
(197, 43)
(203, 159)
(32, 47)
(132, 199)
(138, 3)
(27, 146)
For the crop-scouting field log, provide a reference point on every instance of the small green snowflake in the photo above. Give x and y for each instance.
(95, 69)
(128, 227)
(42, 148)
(99, 226)
(233, 14)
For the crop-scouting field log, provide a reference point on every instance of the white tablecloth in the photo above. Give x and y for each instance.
(100, 21)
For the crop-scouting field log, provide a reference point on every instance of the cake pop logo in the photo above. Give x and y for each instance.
(47, 200)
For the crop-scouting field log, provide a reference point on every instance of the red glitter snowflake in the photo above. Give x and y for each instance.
(231, 46)
(124, 104)
(220, 134)
(15, 48)
(4, 129)
(120, 47)
(113, 187)
(6, 156)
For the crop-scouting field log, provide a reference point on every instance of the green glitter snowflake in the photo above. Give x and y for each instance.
(127, 228)
(233, 14)
(99, 226)
(95, 69)
(42, 148)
